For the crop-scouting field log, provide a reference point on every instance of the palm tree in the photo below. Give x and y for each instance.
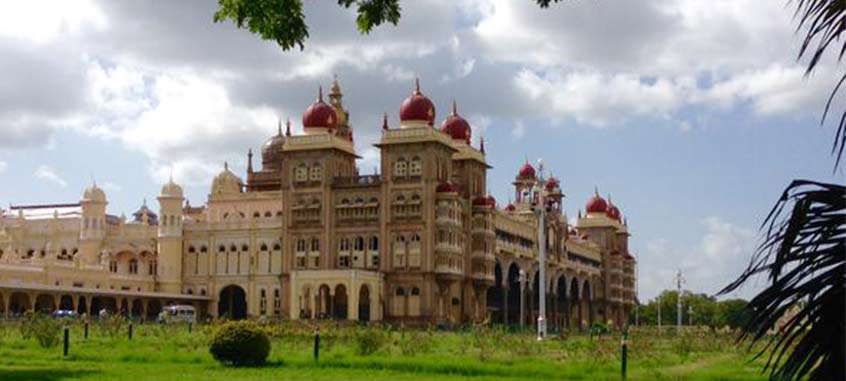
(803, 251)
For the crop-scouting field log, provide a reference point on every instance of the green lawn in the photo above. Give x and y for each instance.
(171, 353)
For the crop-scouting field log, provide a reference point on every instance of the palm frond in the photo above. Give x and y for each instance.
(803, 256)
(823, 23)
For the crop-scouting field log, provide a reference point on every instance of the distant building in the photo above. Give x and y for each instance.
(308, 236)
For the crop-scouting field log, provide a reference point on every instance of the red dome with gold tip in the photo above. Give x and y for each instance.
(319, 114)
(510, 207)
(456, 126)
(596, 204)
(417, 107)
(613, 212)
(526, 171)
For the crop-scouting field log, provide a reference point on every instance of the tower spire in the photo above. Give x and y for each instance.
(250, 160)
(454, 108)
(482, 144)
(320, 93)
(417, 85)
(385, 121)
(279, 126)
(288, 127)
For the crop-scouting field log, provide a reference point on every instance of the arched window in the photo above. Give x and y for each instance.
(191, 249)
(133, 266)
(400, 291)
(256, 214)
(301, 173)
(415, 291)
(277, 247)
(233, 248)
(244, 247)
(316, 172)
(267, 214)
(203, 249)
(301, 245)
(221, 248)
(400, 168)
(374, 243)
(415, 168)
(263, 247)
(359, 243)
(345, 244)
(315, 244)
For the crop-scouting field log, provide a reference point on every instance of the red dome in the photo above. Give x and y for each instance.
(552, 183)
(445, 187)
(456, 126)
(417, 107)
(526, 171)
(319, 114)
(510, 207)
(613, 212)
(484, 201)
(596, 204)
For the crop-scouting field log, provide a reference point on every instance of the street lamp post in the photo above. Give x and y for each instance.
(540, 209)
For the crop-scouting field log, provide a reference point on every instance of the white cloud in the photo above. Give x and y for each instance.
(708, 265)
(777, 89)
(41, 21)
(48, 174)
(596, 99)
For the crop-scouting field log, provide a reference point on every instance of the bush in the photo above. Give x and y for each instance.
(240, 343)
(45, 329)
(369, 340)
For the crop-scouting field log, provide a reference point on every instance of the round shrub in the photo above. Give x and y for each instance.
(240, 343)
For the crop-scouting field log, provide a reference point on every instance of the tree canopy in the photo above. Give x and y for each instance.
(283, 21)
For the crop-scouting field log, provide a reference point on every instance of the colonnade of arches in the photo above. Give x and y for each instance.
(327, 302)
(514, 299)
(17, 303)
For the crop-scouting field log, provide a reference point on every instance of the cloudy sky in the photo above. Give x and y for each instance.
(692, 114)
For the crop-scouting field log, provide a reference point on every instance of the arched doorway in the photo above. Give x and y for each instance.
(324, 302)
(232, 303)
(45, 303)
(535, 299)
(575, 304)
(102, 303)
(364, 304)
(154, 308)
(66, 303)
(340, 302)
(562, 308)
(82, 307)
(587, 303)
(19, 303)
(513, 294)
(495, 296)
(137, 310)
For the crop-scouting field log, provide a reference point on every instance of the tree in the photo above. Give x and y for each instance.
(283, 21)
(803, 251)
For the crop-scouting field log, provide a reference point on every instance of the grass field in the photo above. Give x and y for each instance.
(171, 353)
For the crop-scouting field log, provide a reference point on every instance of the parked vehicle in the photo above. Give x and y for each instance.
(64, 314)
(178, 314)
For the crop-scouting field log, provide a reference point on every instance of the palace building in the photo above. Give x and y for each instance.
(306, 236)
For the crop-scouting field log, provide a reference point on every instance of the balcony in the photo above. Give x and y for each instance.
(357, 181)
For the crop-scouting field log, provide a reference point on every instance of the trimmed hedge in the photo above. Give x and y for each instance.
(240, 343)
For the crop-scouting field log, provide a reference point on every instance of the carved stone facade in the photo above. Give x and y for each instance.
(307, 236)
